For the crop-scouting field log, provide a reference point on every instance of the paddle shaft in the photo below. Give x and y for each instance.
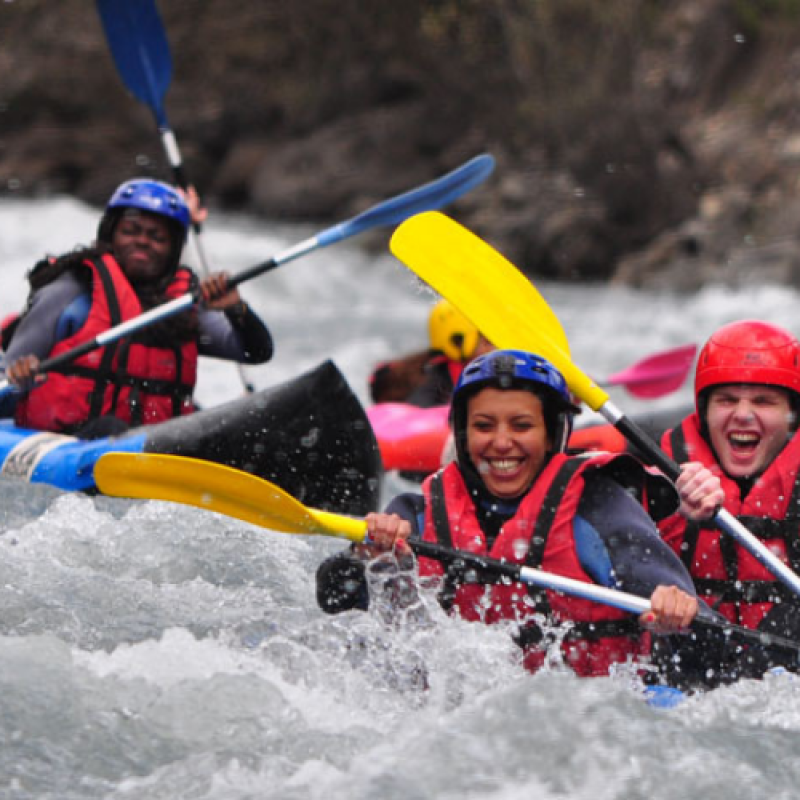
(389, 212)
(329, 236)
(113, 334)
(224, 490)
(723, 519)
(425, 235)
(139, 46)
(598, 594)
(301, 249)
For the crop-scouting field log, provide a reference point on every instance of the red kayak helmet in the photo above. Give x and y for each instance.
(749, 351)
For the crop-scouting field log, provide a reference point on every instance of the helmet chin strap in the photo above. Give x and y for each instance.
(794, 406)
(563, 431)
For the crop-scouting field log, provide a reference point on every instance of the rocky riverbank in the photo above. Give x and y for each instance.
(652, 144)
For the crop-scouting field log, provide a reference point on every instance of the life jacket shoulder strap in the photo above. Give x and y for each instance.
(549, 508)
(677, 441)
(441, 522)
(104, 374)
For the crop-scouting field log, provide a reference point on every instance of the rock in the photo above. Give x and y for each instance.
(669, 158)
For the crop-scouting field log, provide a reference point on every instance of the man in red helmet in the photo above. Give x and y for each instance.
(739, 450)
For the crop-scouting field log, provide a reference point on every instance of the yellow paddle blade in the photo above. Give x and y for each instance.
(438, 244)
(214, 487)
(504, 305)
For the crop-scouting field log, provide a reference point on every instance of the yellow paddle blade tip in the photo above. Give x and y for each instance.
(218, 488)
(491, 292)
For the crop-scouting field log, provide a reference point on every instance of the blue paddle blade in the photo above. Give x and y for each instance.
(140, 49)
(429, 197)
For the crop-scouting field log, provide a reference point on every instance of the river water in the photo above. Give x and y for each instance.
(154, 651)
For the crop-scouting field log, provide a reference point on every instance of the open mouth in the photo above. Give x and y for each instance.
(743, 448)
(744, 443)
(501, 466)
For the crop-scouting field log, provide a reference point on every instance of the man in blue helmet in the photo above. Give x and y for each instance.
(133, 266)
(514, 494)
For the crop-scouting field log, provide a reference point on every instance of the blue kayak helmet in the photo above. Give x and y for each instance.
(514, 369)
(153, 197)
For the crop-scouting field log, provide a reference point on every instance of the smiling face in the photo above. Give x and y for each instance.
(748, 425)
(142, 244)
(507, 439)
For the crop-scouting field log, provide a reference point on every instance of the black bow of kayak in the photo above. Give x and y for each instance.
(309, 435)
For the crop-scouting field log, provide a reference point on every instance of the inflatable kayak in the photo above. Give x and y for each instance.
(310, 436)
(411, 439)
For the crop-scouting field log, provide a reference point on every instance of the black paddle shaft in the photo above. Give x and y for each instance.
(49, 364)
(462, 560)
(651, 453)
(483, 566)
(253, 272)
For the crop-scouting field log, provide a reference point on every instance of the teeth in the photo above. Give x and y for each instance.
(744, 438)
(504, 464)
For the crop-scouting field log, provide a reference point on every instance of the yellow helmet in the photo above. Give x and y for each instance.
(451, 332)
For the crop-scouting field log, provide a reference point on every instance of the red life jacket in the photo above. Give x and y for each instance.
(598, 636)
(454, 368)
(135, 382)
(723, 571)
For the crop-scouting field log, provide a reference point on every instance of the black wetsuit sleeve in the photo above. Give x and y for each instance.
(243, 337)
(640, 560)
(36, 333)
(341, 579)
(342, 584)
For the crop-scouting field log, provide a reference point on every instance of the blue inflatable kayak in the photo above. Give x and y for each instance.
(311, 436)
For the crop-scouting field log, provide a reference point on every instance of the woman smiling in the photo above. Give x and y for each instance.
(514, 494)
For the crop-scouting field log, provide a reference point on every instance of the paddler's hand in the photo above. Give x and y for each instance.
(197, 211)
(386, 532)
(700, 491)
(23, 373)
(216, 294)
(671, 610)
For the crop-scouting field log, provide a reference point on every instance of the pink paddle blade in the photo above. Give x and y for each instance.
(658, 374)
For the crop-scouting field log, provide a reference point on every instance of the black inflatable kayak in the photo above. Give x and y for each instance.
(310, 435)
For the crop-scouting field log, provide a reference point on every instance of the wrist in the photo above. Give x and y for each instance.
(238, 311)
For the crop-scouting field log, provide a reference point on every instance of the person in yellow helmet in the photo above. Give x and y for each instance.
(451, 333)
(427, 378)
